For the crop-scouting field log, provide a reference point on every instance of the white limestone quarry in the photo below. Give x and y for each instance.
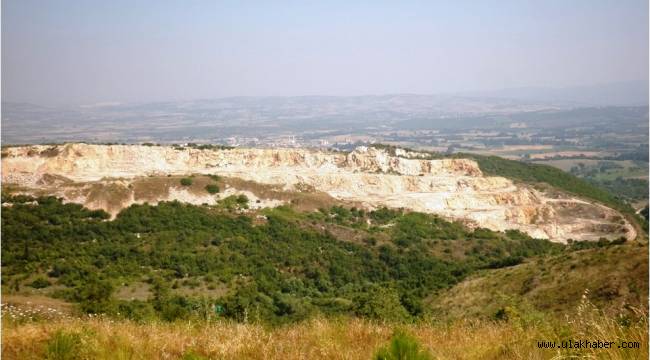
(453, 188)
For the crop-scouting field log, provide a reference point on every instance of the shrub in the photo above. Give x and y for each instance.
(186, 181)
(384, 215)
(242, 200)
(380, 303)
(233, 202)
(372, 241)
(402, 347)
(505, 262)
(136, 310)
(63, 346)
(212, 188)
(40, 283)
(95, 296)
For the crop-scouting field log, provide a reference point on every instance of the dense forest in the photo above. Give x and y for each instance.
(274, 266)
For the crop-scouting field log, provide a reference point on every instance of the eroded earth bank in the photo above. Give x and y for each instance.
(112, 177)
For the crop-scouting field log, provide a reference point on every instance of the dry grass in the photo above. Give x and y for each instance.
(304, 201)
(111, 195)
(323, 338)
(616, 276)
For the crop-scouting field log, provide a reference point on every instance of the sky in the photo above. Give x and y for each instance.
(85, 52)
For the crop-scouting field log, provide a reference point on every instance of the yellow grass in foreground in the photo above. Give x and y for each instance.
(319, 339)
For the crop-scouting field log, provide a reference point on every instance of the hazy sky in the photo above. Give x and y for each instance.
(75, 52)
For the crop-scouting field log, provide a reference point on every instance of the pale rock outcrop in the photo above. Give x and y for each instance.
(453, 188)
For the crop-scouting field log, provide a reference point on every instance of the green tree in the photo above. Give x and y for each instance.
(186, 181)
(380, 302)
(212, 188)
(96, 296)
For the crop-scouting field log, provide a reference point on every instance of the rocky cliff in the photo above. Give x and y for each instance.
(453, 188)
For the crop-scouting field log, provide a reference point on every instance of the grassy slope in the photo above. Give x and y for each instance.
(615, 278)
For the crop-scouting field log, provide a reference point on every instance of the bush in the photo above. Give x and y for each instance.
(380, 303)
(505, 262)
(136, 310)
(242, 200)
(384, 215)
(96, 296)
(402, 347)
(233, 202)
(212, 188)
(186, 181)
(40, 283)
(63, 346)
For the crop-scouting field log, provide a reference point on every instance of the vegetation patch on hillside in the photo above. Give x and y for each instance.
(614, 277)
(285, 268)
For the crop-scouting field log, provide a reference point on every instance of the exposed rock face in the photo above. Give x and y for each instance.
(454, 188)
